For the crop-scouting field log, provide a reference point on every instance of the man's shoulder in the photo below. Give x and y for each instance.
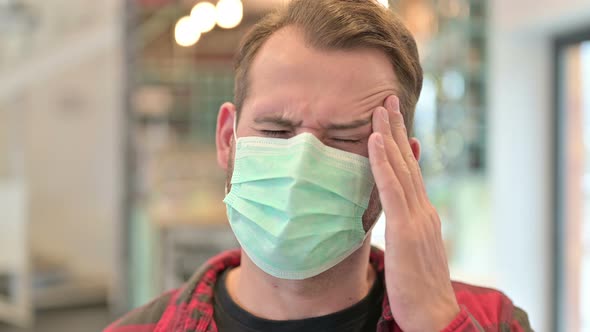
(144, 318)
(199, 287)
(487, 303)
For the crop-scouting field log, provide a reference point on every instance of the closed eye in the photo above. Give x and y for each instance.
(286, 133)
(275, 133)
(348, 141)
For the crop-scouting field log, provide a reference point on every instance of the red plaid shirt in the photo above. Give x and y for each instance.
(190, 308)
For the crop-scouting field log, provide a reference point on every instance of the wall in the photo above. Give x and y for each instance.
(74, 164)
(69, 85)
(521, 142)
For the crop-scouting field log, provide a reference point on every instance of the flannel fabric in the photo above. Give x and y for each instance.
(190, 308)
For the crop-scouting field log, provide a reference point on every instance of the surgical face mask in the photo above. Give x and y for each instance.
(296, 205)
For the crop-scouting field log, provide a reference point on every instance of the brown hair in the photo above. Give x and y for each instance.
(341, 25)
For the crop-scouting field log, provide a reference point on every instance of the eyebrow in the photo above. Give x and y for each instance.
(351, 125)
(277, 120)
(284, 122)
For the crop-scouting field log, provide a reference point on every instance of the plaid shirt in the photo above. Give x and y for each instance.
(190, 308)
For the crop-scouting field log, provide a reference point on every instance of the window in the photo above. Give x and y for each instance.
(572, 158)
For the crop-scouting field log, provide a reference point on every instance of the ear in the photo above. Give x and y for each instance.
(416, 149)
(225, 133)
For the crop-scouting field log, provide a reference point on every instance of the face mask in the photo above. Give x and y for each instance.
(296, 205)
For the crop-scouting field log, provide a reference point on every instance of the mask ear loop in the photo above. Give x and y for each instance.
(236, 126)
(235, 140)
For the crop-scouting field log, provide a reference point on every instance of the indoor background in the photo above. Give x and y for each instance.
(110, 192)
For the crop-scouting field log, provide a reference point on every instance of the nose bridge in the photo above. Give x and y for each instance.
(315, 131)
(312, 122)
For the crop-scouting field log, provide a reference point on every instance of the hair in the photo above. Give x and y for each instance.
(340, 25)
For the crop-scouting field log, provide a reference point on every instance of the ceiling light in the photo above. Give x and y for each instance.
(204, 16)
(186, 32)
(229, 13)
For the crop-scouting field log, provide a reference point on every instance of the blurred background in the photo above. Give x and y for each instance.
(110, 192)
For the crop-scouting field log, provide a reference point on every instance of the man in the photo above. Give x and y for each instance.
(315, 147)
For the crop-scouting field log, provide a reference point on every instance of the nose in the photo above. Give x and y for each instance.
(318, 133)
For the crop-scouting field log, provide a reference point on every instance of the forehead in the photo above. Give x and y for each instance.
(289, 70)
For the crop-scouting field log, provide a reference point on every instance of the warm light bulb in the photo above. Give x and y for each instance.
(204, 16)
(229, 13)
(385, 3)
(186, 32)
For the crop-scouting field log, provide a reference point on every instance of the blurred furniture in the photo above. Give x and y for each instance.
(15, 277)
(15, 263)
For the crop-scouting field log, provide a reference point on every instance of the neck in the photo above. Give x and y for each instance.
(279, 299)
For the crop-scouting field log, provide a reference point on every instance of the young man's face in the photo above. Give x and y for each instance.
(295, 89)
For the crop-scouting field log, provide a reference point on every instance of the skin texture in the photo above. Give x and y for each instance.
(295, 89)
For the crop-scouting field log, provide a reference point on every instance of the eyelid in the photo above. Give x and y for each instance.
(350, 137)
(274, 133)
(283, 133)
(348, 140)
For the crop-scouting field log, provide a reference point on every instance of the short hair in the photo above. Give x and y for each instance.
(340, 25)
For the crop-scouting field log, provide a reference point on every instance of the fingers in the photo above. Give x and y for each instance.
(400, 136)
(384, 124)
(392, 196)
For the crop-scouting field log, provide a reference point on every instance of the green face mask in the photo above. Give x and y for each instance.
(296, 205)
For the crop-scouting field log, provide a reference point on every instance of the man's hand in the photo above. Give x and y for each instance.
(416, 269)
